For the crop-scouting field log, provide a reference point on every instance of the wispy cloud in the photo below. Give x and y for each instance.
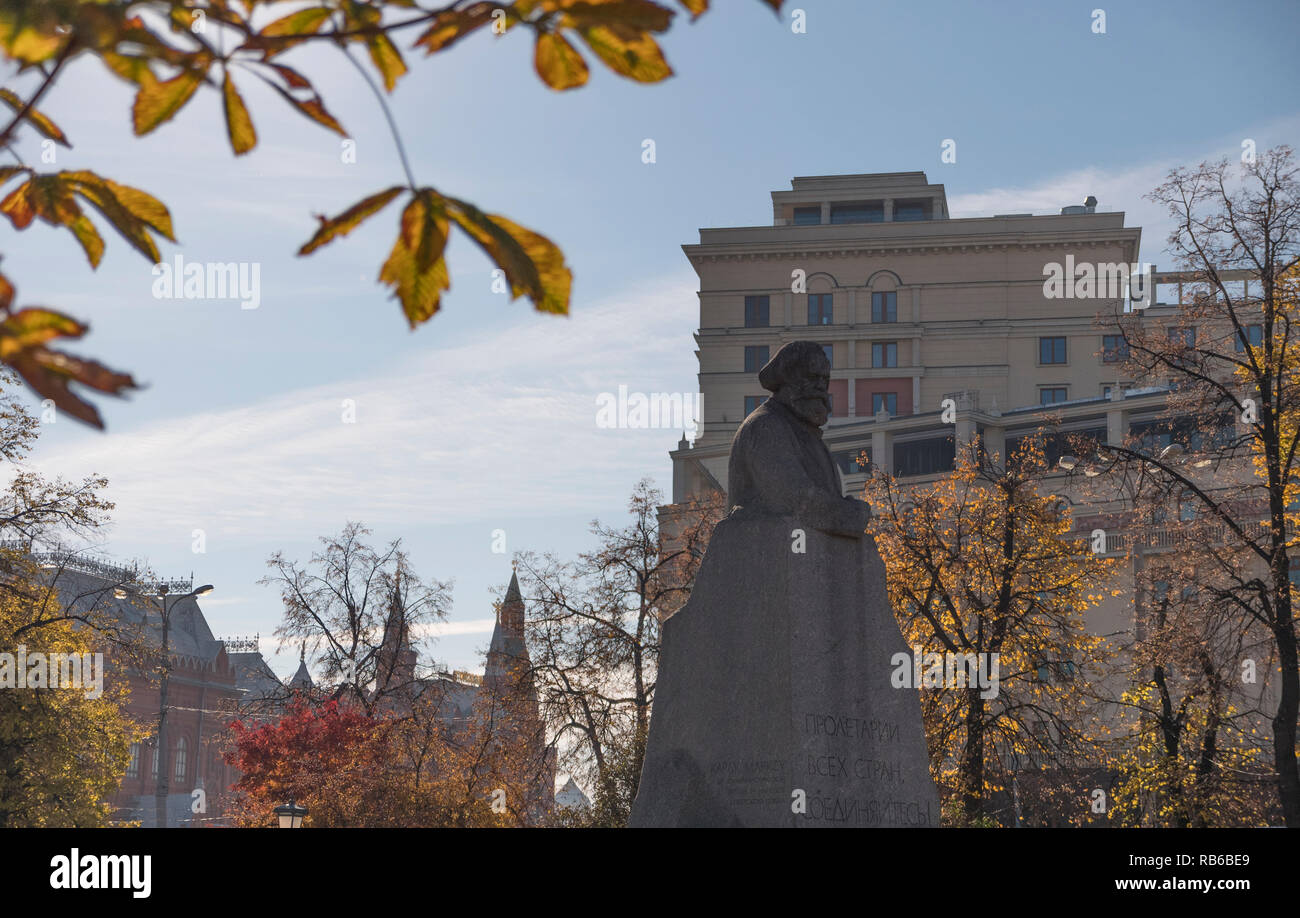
(500, 424)
(468, 626)
(1121, 188)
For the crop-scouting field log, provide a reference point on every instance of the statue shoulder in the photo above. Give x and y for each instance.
(763, 422)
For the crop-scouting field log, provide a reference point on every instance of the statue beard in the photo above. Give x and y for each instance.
(810, 405)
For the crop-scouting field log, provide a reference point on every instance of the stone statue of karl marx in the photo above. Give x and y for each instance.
(779, 465)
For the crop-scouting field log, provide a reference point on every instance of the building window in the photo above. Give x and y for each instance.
(884, 401)
(1187, 508)
(1253, 334)
(909, 212)
(156, 755)
(133, 766)
(1113, 348)
(1051, 395)
(756, 312)
(807, 216)
(181, 749)
(884, 354)
(1051, 350)
(829, 351)
(1106, 390)
(1183, 337)
(756, 357)
(924, 457)
(819, 309)
(752, 402)
(884, 307)
(858, 213)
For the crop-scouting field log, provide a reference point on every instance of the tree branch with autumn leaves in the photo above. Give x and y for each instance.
(164, 49)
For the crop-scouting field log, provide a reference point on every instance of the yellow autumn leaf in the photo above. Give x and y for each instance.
(158, 101)
(558, 63)
(239, 125)
(350, 219)
(416, 269)
(534, 266)
(631, 52)
(43, 124)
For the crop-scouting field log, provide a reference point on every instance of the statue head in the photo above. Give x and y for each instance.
(799, 377)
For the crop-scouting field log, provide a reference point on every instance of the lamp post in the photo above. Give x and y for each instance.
(290, 815)
(162, 784)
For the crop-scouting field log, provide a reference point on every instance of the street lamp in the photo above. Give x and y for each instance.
(163, 785)
(290, 815)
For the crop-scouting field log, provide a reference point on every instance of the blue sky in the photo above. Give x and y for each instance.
(484, 418)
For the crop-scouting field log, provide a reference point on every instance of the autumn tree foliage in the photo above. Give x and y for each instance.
(352, 768)
(332, 758)
(1188, 745)
(594, 639)
(381, 741)
(981, 561)
(1228, 450)
(62, 753)
(170, 50)
(1190, 748)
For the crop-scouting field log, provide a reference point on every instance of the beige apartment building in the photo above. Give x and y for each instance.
(914, 308)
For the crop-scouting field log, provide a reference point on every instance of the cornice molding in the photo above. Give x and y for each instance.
(706, 253)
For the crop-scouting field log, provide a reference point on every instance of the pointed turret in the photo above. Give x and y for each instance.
(302, 678)
(397, 655)
(508, 681)
(507, 650)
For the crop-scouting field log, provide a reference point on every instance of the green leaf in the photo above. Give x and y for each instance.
(157, 102)
(239, 126)
(350, 219)
(558, 63)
